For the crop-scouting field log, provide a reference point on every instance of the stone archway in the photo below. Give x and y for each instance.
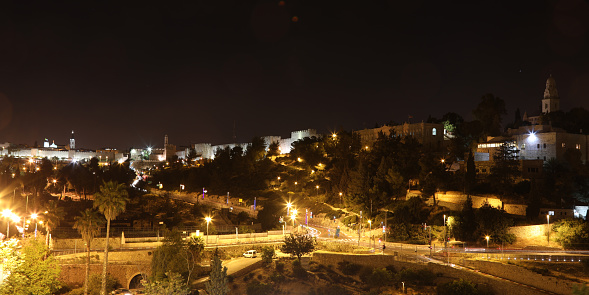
(135, 281)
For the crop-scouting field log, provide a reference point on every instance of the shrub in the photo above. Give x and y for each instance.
(365, 273)
(416, 277)
(279, 266)
(276, 277)
(380, 277)
(268, 254)
(458, 287)
(298, 270)
(348, 268)
(256, 288)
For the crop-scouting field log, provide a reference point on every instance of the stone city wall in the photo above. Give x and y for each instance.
(496, 285)
(458, 199)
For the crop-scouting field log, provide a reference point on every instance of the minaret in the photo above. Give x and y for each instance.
(551, 101)
(72, 142)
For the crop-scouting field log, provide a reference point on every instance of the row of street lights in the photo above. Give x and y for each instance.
(11, 216)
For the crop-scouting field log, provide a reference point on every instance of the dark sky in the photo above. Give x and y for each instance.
(122, 74)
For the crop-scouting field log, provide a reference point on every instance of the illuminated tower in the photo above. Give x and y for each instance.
(551, 101)
(72, 141)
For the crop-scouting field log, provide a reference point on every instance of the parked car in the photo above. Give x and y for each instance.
(250, 254)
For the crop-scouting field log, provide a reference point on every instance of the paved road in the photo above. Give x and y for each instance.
(233, 266)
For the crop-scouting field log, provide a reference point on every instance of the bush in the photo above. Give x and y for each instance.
(279, 266)
(268, 254)
(348, 268)
(95, 284)
(365, 273)
(276, 277)
(298, 270)
(416, 277)
(379, 277)
(256, 288)
(458, 287)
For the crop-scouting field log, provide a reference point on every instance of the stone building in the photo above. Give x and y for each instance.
(430, 135)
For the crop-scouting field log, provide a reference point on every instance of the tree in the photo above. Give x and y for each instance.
(172, 284)
(218, 283)
(53, 217)
(88, 225)
(489, 112)
(505, 167)
(470, 175)
(572, 234)
(298, 245)
(177, 255)
(110, 201)
(495, 223)
(33, 271)
(268, 254)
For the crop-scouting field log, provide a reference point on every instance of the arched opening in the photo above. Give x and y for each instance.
(434, 132)
(135, 282)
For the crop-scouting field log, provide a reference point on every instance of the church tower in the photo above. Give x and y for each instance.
(551, 101)
(72, 142)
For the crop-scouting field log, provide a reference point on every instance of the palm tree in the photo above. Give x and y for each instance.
(110, 201)
(88, 224)
(53, 216)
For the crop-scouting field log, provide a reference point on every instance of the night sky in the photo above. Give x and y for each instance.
(122, 74)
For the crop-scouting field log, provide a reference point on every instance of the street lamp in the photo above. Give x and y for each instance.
(487, 238)
(208, 219)
(7, 213)
(548, 222)
(340, 197)
(317, 190)
(288, 205)
(34, 216)
(293, 216)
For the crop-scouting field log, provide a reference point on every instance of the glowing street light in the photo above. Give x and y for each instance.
(293, 216)
(7, 213)
(288, 205)
(487, 238)
(34, 216)
(548, 222)
(208, 219)
(317, 190)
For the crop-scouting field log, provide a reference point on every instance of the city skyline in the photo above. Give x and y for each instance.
(124, 76)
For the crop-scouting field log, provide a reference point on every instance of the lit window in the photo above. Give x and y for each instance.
(523, 146)
(434, 131)
(564, 145)
(551, 213)
(578, 146)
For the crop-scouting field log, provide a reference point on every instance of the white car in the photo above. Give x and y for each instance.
(250, 254)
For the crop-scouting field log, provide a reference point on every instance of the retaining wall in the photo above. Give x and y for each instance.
(496, 285)
(522, 275)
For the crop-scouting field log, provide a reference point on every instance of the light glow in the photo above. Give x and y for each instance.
(532, 137)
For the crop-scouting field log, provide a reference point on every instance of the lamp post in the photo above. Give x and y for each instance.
(317, 190)
(7, 213)
(340, 198)
(487, 238)
(548, 223)
(34, 216)
(288, 205)
(208, 219)
(293, 217)
(370, 230)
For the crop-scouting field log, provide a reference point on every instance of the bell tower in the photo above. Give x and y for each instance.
(551, 101)
(72, 141)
